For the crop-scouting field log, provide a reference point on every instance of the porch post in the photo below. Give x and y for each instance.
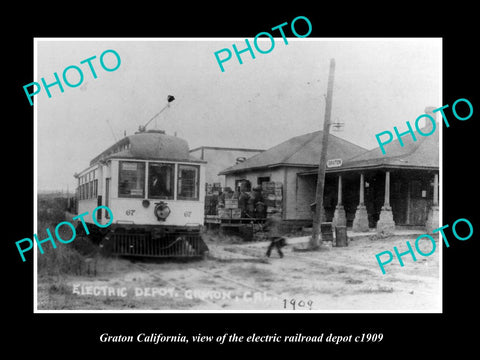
(339, 190)
(360, 222)
(386, 225)
(387, 189)
(339, 216)
(433, 219)
(362, 190)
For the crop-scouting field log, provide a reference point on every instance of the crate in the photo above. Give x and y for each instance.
(228, 195)
(208, 189)
(270, 203)
(224, 213)
(216, 188)
(341, 238)
(270, 209)
(236, 213)
(231, 203)
(268, 186)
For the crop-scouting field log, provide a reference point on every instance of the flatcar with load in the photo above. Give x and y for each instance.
(155, 190)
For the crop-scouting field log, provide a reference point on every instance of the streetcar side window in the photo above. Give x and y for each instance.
(188, 180)
(160, 180)
(88, 186)
(131, 179)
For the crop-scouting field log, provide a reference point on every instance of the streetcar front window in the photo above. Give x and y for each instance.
(188, 180)
(131, 179)
(160, 180)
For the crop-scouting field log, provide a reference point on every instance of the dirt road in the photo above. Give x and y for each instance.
(239, 277)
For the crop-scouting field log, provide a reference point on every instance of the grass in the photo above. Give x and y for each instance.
(67, 258)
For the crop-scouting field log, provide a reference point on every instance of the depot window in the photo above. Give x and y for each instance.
(160, 180)
(188, 179)
(262, 179)
(131, 179)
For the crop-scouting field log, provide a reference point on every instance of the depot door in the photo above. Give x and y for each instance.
(418, 203)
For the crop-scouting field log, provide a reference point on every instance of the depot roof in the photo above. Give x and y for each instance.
(422, 154)
(299, 151)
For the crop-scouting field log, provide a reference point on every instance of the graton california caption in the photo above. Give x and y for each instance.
(274, 186)
(234, 338)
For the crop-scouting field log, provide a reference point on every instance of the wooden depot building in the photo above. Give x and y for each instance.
(364, 189)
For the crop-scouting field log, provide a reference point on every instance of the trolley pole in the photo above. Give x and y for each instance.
(316, 240)
(143, 128)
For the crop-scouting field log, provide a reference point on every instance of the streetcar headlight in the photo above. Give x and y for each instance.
(161, 211)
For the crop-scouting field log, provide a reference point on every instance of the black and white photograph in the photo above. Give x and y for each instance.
(172, 179)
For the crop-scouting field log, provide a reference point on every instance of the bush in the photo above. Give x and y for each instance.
(67, 258)
(62, 260)
(50, 209)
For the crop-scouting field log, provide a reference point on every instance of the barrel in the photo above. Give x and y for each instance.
(341, 236)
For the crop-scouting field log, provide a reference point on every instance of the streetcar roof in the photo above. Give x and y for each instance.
(149, 145)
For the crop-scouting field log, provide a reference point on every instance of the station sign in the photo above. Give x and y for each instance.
(333, 163)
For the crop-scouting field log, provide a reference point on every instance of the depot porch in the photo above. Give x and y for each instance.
(381, 198)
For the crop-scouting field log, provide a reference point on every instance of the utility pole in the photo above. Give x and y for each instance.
(316, 240)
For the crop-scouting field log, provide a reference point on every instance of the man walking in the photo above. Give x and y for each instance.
(277, 241)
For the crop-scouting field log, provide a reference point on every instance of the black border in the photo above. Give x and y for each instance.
(403, 333)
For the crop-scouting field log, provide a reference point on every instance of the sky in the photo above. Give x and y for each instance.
(379, 83)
